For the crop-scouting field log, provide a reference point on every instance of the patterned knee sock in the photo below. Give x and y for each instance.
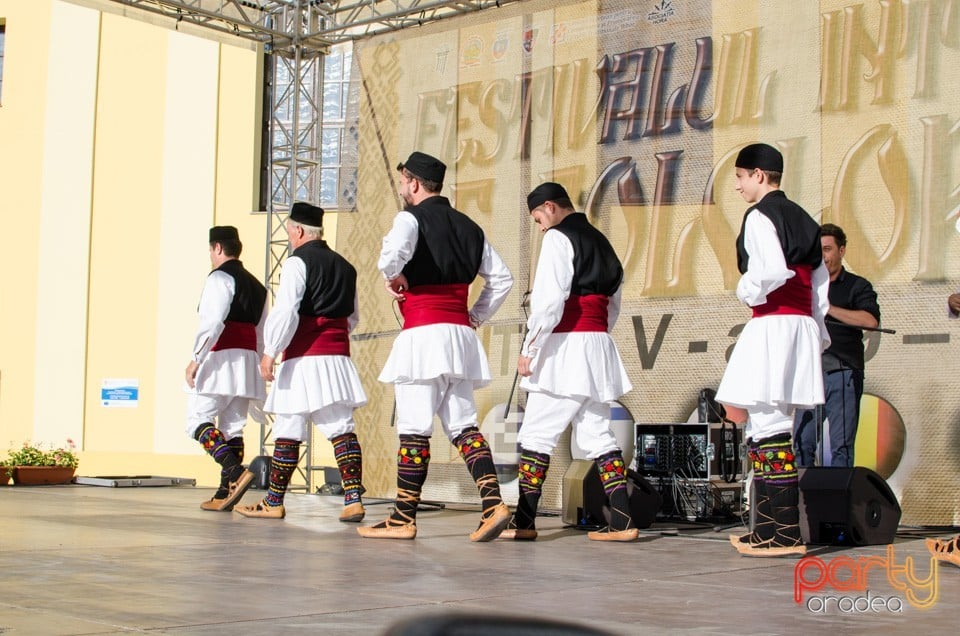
(613, 476)
(476, 454)
(763, 527)
(286, 455)
(236, 445)
(346, 449)
(217, 447)
(413, 458)
(533, 472)
(780, 475)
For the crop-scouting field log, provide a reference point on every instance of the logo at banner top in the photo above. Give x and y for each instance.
(500, 46)
(472, 50)
(529, 36)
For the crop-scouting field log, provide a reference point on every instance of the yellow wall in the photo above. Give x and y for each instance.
(64, 222)
(122, 143)
(21, 153)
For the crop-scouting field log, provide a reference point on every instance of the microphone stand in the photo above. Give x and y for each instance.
(834, 321)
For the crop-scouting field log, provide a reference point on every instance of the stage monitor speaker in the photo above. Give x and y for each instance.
(585, 503)
(847, 506)
(260, 467)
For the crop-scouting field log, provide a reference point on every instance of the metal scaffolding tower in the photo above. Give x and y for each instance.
(312, 23)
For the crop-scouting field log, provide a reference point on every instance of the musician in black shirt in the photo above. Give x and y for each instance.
(853, 305)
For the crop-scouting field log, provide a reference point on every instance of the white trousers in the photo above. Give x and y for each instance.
(451, 399)
(764, 421)
(227, 412)
(332, 421)
(546, 416)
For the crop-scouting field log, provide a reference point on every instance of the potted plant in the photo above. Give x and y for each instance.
(5, 472)
(33, 465)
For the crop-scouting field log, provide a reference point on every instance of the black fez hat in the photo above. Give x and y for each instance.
(424, 166)
(544, 192)
(223, 233)
(307, 214)
(760, 156)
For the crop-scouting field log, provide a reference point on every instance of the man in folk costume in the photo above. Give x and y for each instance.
(775, 366)
(429, 258)
(569, 362)
(314, 311)
(223, 373)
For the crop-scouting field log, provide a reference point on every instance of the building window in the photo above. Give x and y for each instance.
(3, 36)
(336, 90)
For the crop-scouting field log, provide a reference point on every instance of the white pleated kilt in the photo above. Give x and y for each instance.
(579, 363)
(432, 351)
(234, 372)
(776, 362)
(309, 383)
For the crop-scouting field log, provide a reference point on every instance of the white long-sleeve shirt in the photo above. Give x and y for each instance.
(551, 289)
(400, 243)
(768, 271)
(305, 384)
(234, 372)
(215, 301)
(285, 317)
(598, 372)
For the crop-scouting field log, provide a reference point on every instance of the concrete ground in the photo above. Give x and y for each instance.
(94, 560)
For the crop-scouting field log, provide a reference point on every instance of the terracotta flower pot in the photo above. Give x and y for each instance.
(5, 474)
(42, 475)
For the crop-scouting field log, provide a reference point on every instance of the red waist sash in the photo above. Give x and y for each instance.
(237, 335)
(584, 313)
(319, 336)
(434, 304)
(794, 298)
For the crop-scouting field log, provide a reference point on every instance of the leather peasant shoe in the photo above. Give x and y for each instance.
(237, 489)
(630, 534)
(353, 513)
(519, 534)
(262, 511)
(389, 529)
(214, 504)
(740, 541)
(946, 550)
(766, 548)
(771, 550)
(492, 523)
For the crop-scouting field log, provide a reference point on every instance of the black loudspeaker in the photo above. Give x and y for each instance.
(260, 467)
(847, 506)
(644, 500)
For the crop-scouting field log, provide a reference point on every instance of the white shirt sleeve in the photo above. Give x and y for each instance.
(551, 288)
(398, 245)
(767, 269)
(497, 284)
(354, 318)
(613, 309)
(821, 303)
(215, 301)
(261, 324)
(285, 317)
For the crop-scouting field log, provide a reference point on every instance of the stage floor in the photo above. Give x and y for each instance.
(93, 560)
